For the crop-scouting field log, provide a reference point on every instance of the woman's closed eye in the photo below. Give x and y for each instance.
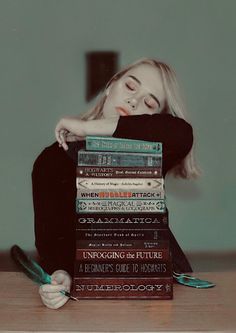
(130, 85)
(150, 102)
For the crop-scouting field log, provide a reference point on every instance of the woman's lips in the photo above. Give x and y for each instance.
(122, 111)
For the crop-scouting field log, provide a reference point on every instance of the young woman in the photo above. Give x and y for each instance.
(142, 102)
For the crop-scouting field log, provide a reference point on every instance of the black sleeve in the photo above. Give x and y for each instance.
(175, 134)
(54, 193)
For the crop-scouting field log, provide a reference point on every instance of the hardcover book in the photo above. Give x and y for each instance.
(108, 143)
(118, 172)
(119, 205)
(123, 269)
(122, 234)
(120, 184)
(121, 244)
(120, 194)
(123, 288)
(118, 159)
(122, 221)
(116, 255)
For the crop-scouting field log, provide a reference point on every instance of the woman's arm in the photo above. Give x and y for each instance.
(175, 134)
(54, 193)
(82, 128)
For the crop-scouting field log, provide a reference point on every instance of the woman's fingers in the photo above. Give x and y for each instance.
(60, 131)
(57, 133)
(64, 145)
(65, 136)
(52, 296)
(61, 277)
(72, 138)
(61, 138)
(69, 129)
(51, 288)
(56, 303)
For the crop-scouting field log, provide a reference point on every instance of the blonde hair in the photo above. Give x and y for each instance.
(174, 105)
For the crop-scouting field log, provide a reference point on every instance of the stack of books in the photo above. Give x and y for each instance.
(122, 237)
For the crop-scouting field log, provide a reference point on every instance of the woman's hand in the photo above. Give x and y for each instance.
(50, 293)
(73, 129)
(69, 129)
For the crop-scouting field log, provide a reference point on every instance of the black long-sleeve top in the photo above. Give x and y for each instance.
(54, 187)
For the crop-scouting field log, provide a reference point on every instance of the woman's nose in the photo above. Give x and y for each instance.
(132, 102)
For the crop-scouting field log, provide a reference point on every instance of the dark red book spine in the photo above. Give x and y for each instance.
(123, 269)
(123, 288)
(96, 255)
(122, 234)
(121, 244)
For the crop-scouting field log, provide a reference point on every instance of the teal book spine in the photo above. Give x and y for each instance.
(114, 159)
(106, 143)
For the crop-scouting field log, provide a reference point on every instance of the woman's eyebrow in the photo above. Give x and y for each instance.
(139, 82)
(134, 78)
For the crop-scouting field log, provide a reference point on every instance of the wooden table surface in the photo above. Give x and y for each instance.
(191, 309)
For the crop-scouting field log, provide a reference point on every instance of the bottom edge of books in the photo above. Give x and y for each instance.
(123, 288)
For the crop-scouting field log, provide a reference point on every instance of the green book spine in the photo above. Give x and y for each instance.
(106, 143)
(92, 158)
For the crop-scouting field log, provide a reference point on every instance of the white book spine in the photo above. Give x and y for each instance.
(120, 183)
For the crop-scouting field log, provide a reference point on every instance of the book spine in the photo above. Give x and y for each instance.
(119, 205)
(115, 159)
(123, 288)
(120, 184)
(126, 234)
(125, 269)
(118, 172)
(122, 221)
(105, 143)
(132, 194)
(121, 244)
(95, 255)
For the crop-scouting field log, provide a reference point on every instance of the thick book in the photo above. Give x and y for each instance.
(120, 183)
(120, 205)
(119, 255)
(126, 269)
(119, 172)
(108, 143)
(120, 194)
(122, 221)
(94, 255)
(121, 244)
(115, 249)
(122, 234)
(123, 288)
(118, 159)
